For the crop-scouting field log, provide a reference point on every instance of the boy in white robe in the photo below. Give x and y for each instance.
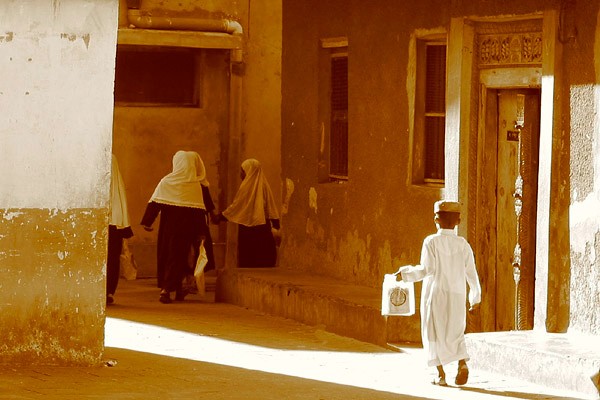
(447, 265)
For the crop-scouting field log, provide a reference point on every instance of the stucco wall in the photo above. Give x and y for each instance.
(584, 213)
(377, 220)
(261, 103)
(55, 137)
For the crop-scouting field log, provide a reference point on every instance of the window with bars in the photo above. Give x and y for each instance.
(430, 112)
(157, 77)
(338, 140)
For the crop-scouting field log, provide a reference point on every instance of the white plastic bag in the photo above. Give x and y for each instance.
(127, 262)
(199, 271)
(397, 298)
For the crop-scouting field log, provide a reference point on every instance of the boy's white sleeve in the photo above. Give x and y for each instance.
(412, 273)
(472, 278)
(415, 273)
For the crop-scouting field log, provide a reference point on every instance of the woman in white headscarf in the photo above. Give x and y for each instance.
(118, 229)
(179, 199)
(255, 211)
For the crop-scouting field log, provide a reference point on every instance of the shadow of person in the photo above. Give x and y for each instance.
(518, 395)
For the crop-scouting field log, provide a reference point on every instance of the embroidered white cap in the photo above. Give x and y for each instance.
(446, 206)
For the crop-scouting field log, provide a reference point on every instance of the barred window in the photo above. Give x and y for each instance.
(157, 77)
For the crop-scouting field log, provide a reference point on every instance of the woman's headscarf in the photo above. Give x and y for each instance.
(118, 210)
(254, 202)
(182, 187)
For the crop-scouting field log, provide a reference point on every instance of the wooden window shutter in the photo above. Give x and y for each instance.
(338, 157)
(435, 112)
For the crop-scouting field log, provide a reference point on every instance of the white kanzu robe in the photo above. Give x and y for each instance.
(447, 266)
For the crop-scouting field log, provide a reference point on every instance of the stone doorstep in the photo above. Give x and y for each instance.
(561, 361)
(339, 307)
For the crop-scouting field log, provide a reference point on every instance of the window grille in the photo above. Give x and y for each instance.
(338, 156)
(157, 77)
(435, 112)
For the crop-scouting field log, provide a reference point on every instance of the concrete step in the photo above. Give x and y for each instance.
(339, 307)
(562, 361)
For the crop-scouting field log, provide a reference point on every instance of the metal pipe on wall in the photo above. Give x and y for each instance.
(144, 20)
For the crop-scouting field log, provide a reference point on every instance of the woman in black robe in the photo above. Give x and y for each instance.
(179, 200)
(254, 210)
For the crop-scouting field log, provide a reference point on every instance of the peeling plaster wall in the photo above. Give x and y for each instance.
(56, 94)
(55, 63)
(52, 286)
(584, 212)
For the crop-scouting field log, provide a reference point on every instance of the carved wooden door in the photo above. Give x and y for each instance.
(516, 205)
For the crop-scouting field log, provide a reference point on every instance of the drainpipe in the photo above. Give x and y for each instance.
(144, 20)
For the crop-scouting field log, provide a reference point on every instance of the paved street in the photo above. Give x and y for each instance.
(198, 349)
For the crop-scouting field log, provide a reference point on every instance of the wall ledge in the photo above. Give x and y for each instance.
(189, 39)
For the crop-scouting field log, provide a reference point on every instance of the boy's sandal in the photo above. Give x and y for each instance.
(463, 375)
(438, 381)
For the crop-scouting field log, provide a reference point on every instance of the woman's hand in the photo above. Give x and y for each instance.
(219, 218)
(148, 228)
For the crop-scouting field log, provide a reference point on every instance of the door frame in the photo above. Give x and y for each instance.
(466, 85)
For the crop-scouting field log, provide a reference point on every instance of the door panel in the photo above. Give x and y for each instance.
(506, 221)
(485, 245)
(529, 156)
(507, 155)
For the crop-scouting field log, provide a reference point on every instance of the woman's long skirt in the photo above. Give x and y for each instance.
(256, 247)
